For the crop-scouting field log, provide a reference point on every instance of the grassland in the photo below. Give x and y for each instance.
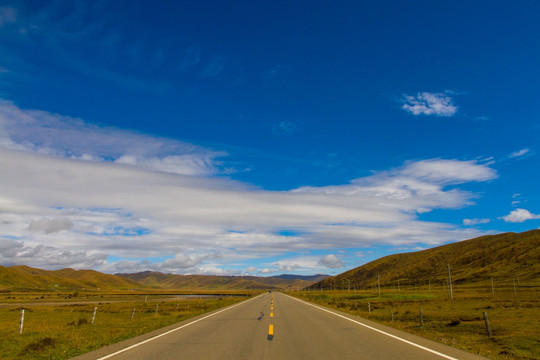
(513, 313)
(63, 328)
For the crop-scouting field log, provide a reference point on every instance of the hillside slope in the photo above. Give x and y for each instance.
(504, 255)
(25, 277)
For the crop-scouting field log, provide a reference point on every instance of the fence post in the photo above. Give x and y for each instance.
(21, 323)
(94, 315)
(392, 315)
(421, 318)
(488, 327)
(369, 306)
(132, 314)
(157, 306)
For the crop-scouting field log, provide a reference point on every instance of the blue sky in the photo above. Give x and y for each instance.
(242, 137)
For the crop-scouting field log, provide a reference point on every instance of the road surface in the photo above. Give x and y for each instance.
(277, 326)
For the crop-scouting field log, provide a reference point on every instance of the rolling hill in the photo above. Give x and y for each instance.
(504, 255)
(25, 277)
(22, 278)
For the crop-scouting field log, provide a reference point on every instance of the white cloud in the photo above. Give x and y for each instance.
(415, 187)
(49, 225)
(134, 213)
(62, 197)
(183, 261)
(307, 264)
(331, 261)
(518, 199)
(439, 104)
(288, 267)
(519, 216)
(9, 250)
(519, 153)
(61, 136)
(471, 222)
(449, 171)
(251, 269)
(46, 256)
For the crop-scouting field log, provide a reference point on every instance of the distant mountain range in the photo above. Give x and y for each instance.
(317, 277)
(214, 282)
(503, 256)
(28, 278)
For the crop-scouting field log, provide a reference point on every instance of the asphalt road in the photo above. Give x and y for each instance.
(277, 326)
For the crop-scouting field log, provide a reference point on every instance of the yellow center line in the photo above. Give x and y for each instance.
(271, 314)
(271, 330)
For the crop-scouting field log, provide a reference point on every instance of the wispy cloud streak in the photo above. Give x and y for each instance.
(520, 153)
(426, 103)
(50, 134)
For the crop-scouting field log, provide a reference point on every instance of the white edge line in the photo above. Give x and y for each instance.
(379, 331)
(170, 331)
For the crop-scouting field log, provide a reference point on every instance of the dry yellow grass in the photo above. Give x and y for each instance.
(64, 331)
(514, 316)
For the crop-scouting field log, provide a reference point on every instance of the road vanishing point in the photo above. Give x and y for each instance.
(276, 326)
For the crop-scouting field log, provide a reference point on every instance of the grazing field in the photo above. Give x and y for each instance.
(513, 314)
(59, 326)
